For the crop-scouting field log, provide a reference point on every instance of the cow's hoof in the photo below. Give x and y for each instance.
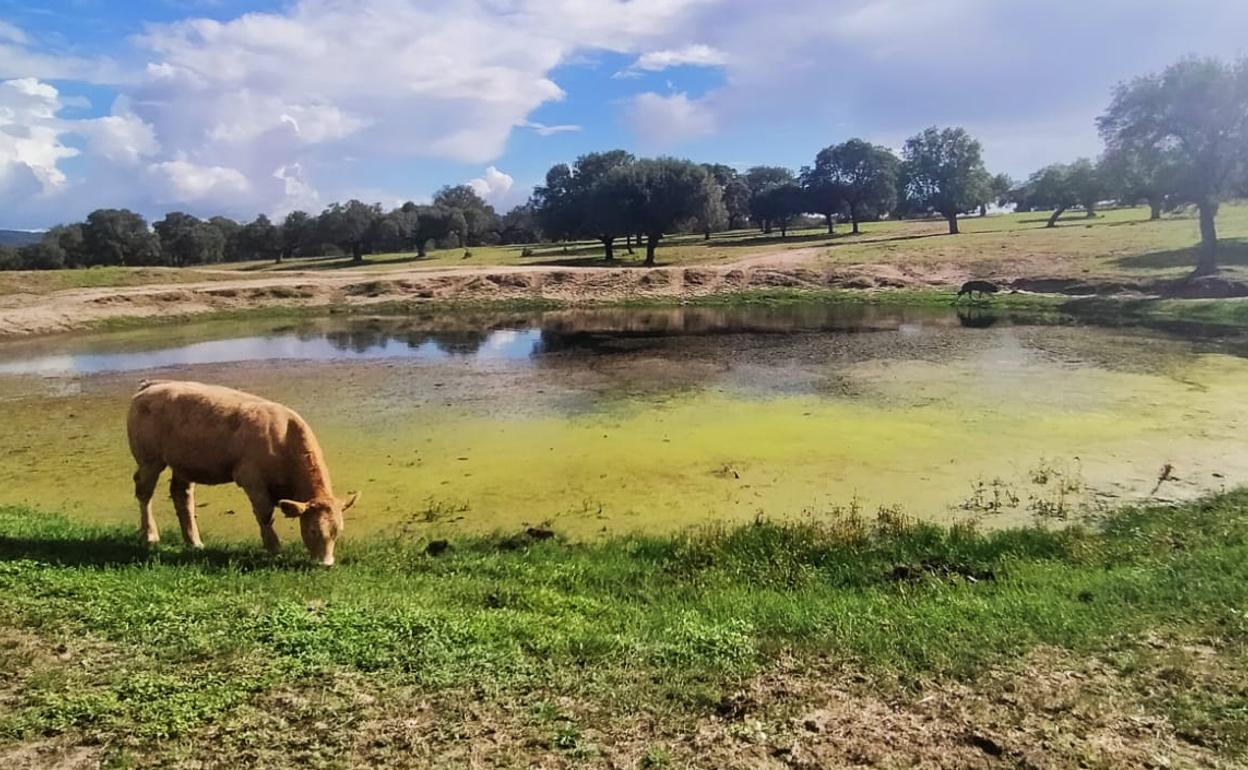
(150, 540)
(195, 546)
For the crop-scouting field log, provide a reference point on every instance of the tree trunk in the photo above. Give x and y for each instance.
(608, 249)
(983, 209)
(1154, 210)
(953, 223)
(855, 222)
(652, 243)
(1057, 214)
(357, 252)
(784, 229)
(422, 249)
(1207, 261)
(831, 224)
(1091, 209)
(706, 234)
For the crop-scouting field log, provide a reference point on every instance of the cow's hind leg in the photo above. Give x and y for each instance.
(183, 494)
(145, 479)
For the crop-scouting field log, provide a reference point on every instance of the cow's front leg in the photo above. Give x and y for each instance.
(262, 506)
(183, 494)
(145, 479)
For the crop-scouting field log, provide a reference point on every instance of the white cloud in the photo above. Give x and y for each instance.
(186, 182)
(11, 34)
(541, 129)
(123, 138)
(262, 112)
(665, 121)
(696, 55)
(297, 192)
(493, 185)
(292, 108)
(30, 137)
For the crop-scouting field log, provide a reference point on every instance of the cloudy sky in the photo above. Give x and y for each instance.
(247, 106)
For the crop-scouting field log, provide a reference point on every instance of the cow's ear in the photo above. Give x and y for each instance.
(350, 501)
(292, 508)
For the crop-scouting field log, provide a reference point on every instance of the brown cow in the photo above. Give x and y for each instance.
(213, 435)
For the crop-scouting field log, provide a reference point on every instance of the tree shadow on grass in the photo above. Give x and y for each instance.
(1232, 252)
(560, 252)
(593, 261)
(327, 263)
(864, 238)
(770, 240)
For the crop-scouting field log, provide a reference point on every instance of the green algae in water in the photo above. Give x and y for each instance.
(655, 420)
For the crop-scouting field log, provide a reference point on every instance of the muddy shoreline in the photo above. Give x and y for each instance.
(77, 309)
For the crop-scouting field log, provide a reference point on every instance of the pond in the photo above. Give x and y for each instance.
(601, 421)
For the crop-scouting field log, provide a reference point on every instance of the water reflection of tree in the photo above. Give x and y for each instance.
(630, 344)
(369, 337)
(458, 343)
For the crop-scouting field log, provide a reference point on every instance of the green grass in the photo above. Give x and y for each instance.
(48, 281)
(167, 644)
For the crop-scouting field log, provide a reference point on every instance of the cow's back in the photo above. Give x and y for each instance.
(204, 432)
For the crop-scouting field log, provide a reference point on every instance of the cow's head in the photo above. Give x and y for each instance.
(320, 523)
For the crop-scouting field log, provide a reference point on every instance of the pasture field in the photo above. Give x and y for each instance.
(48, 281)
(844, 639)
(1119, 244)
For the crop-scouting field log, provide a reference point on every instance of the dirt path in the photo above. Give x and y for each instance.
(29, 314)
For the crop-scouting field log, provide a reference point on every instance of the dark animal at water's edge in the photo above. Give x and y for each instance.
(212, 435)
(982, 287)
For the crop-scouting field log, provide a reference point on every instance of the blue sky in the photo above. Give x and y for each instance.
(246, 106)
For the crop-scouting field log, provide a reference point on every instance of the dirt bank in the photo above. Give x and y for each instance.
(30, 314)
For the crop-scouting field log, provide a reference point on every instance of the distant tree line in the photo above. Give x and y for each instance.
(1174, 139)
(457, 217)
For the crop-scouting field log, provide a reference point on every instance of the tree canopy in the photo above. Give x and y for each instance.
(1194, 115)
(860, 177)
(575, 202)
(658, 194)
(480, 221)
(944, 172)
(187, 240)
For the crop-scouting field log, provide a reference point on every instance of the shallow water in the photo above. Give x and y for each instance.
(655, 419)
